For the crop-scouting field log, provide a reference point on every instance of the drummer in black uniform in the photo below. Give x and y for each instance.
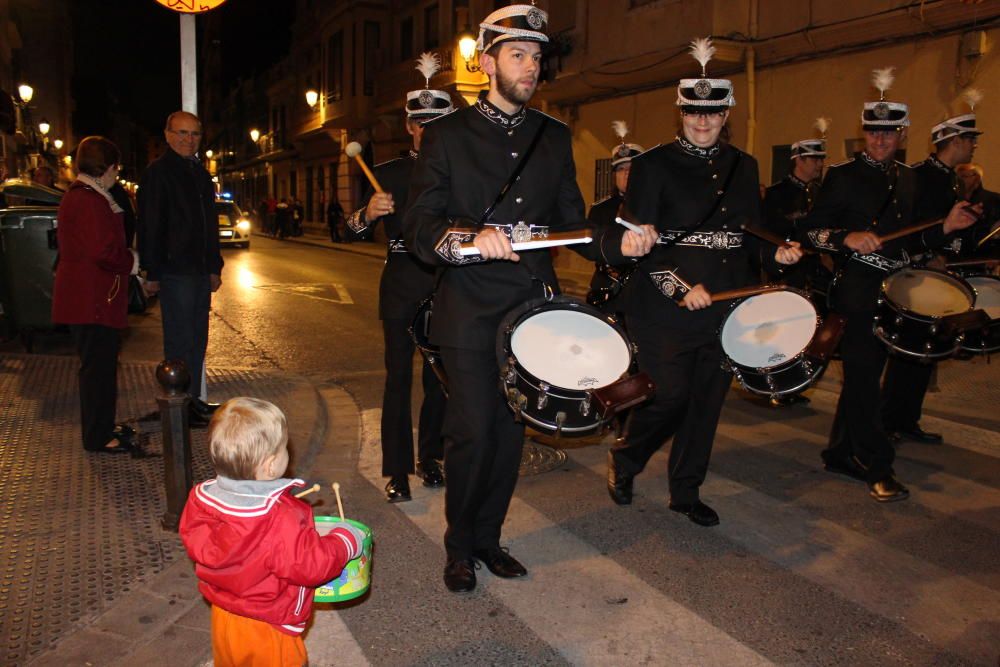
(906, 379)
(467, 159)
(785, 203)
(608, 280)
(697, 191)
(860, 199)
(406, 283)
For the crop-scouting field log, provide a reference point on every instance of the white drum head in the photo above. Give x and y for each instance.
(987, 294)
(570, 349)
(927, 293)
(768, 329)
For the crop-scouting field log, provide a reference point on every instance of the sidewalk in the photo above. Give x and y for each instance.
(90, 577)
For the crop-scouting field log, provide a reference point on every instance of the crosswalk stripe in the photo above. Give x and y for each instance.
(584, 604)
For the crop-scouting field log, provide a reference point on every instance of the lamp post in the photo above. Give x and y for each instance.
(468, 83)
(467, 49)
(25, 92)
(58, 144)
(254, 135)
(312, 99)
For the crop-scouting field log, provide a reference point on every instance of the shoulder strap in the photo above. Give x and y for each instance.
(517, 171)
(715, 204)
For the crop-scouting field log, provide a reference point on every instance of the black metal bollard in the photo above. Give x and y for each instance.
(177, 476)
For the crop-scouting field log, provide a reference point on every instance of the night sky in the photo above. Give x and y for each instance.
(127, 56)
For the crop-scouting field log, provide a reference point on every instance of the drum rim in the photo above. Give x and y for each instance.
(739, 302)
(923, 317)
(425, 346)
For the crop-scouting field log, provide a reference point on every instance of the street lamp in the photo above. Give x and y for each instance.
(58, 143)
(25, 92)
(254, 135)
(44, 127)
(312, 97)
(467, 49)
(209, 153)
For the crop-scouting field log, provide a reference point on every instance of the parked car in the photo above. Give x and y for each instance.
(234, 224)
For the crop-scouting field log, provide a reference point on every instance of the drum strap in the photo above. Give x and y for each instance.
(667, 243)
(517, 172)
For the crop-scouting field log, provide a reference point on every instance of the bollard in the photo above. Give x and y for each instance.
(177, 476)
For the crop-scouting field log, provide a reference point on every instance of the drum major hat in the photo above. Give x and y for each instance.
(427, 102)
(518, 23)
(959, 126)
(623, 152)
(704, 95)
(813, 147)
(884, 115)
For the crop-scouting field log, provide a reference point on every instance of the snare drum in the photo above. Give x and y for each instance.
(910, 306)
(420, 331)
(987, 288)
(765, 338)
(553, 355)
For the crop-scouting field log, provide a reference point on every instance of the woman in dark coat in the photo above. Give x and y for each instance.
(91, 289)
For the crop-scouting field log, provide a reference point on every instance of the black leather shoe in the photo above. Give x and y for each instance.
(430, 473)
(202, 408)
(398, 489)
(698, 512)
(500, 563)
(887, 490)
(918, 434)
(619, 482)
(849, 467)
(460, 575)
(789, 400)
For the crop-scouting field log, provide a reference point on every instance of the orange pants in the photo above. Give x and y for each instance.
(238, 641)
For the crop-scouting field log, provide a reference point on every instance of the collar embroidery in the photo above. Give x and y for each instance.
(414, 154)
(497, 116)
(798, 182)
(881, 166)
(697, 151)
(933, 160)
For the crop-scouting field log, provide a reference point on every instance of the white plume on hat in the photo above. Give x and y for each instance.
(702, 51)
(428, 64)
(822, 124)
(620, 127)
(972, 97)
(883, 79)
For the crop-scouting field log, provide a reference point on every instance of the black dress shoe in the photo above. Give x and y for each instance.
(888, 489)
(849, 467)
(500, 563)
(698, 512)
(789, 400)
(398, 489)
(619, 482)
(460, 575)
(430, 473)
(202, 408)
(918, 434)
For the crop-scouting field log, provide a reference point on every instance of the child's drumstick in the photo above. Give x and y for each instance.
(354, 150)
(340, 505)
(312, 489)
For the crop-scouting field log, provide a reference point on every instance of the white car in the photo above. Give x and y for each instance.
(234, 225)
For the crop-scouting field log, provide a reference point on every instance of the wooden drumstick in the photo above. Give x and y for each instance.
(340, 505)
(354, 150)
(550, 241)
(741, 292)
(772, 238)
(312, 489)
(906, 231)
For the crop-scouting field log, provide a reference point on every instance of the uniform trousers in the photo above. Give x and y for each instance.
(857, 426)
(903, 390)
(691, 388)
(482, 452)
(185, 301)
(97, 346)
(397, 422)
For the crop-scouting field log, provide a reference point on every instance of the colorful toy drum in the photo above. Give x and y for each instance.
(354, 581)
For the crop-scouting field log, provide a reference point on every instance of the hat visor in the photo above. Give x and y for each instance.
(692, 109)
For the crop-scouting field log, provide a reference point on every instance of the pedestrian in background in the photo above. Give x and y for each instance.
(298, 216)
(334, 217)
(90, 290)
(179, 246)
(282, 219)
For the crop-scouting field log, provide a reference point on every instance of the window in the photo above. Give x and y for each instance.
(604, 179)
(372, 38)
(406, 38)
(335, 67)
(431, 37)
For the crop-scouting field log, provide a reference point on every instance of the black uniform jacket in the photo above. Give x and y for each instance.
(465, 159)
(673, 189)
(786, 203)
(602, 217)
(861, 195)
(989, 219)
(406, 281)
(178, 228)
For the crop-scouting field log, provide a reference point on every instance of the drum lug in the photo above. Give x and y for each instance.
(543, 396)
(585, 405)
(560, 420)
(770, 382)
(510, 373)
(933, 329)
(928, 347)
(517, 402)
(899, 320)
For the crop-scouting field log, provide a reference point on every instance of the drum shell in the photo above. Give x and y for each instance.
(985, 340)
(911, 333)
(419, 331)
(355, 579)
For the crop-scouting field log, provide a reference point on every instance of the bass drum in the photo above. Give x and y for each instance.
(987, 339)
(910, 306)
(420, 330)
(553, 355)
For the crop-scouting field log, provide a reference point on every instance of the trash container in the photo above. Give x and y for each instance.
(27, 257)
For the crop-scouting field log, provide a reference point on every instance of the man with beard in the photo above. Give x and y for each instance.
(467, 165)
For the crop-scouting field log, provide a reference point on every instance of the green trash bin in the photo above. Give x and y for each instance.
(27, 257)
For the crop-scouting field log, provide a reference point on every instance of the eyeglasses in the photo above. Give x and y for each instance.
(187, 133)
(707, 114)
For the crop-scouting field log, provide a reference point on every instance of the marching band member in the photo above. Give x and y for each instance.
(607, 281)
(406, 283)
(906, 379)
(697, 191)
(467, 158)
(860, 199)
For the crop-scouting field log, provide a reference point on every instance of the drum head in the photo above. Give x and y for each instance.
(768, 329)
(987, 294)
(570, 349)
(928, 293)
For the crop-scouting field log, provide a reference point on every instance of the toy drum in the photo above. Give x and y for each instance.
(354, 581)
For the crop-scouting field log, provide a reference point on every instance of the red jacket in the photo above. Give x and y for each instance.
(91, 284)
(256, 550)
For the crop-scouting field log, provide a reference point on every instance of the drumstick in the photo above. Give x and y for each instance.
(552, 240)
(628, 225)
(354, 150)
(312, 489)
(772, 238)
(340, 505)
(741, 292)
(906, 231)
(988, 237)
